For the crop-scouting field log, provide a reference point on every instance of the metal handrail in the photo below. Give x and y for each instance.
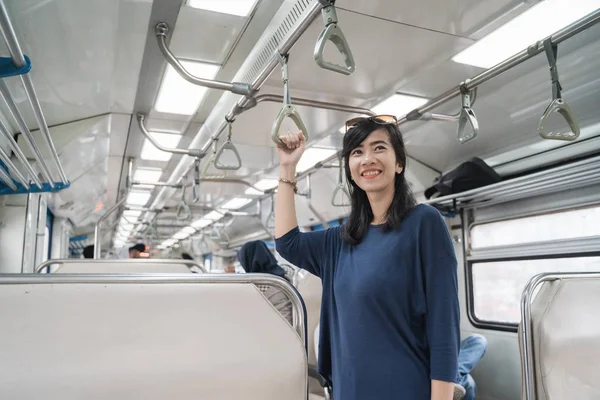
(19, 61)
(298, 310)
(526, 334)
(522, 56)
(97, 236)
(188, 152)
(189, 263)
(161, 30)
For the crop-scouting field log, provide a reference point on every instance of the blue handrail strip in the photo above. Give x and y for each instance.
(4, 189)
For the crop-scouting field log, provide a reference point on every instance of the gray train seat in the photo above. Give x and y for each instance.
(564, 339)
(150, 337)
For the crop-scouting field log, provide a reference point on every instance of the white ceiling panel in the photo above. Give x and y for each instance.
(456, 17)
(387, 54)
(204, 35)
(85, 55)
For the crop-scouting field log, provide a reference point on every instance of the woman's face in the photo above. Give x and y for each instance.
(373, 165)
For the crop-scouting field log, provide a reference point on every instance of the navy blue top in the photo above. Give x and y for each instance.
(389, 314)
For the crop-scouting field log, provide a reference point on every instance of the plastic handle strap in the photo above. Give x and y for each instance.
(557, 105)
(210, 162)
(214, 234)
(333, 33)
(196, 187)
(340, 188)
(228, 146)
(287, 111)
(183, 209)
(467, 115)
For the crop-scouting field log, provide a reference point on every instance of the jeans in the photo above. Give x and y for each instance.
(472, 348)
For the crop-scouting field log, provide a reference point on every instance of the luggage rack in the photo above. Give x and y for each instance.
(12, 179)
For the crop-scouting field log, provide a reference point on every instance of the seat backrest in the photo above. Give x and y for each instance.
(310, 288)
(131, 266)
(565, 332)
(192, 336)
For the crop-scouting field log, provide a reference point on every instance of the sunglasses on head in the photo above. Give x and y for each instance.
(385, 119)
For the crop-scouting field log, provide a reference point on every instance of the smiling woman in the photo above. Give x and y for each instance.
(389, 274)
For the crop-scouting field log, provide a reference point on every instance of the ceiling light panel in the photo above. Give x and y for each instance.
(147, 175)
(263, 184)
(178, 96)
(236, 203)
(398, 105)
(138, 198)
(241, 8)
(537, 23)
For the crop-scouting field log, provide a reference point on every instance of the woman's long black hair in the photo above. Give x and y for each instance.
(361, 215)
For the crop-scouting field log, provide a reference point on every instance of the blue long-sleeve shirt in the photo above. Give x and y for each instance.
(389, 313)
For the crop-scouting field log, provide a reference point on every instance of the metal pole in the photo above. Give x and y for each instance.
(7, 179)
(187, 152)
(16, 114)
(310, 206)
(16, 54)
(19, 154)
(504, 66)
(275, 98)
(161, 30)
(97, 237)
(6, 160)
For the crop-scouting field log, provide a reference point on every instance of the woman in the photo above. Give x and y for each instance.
(389, 316)
(255, 257)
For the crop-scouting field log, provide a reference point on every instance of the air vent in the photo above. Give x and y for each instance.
(268, 52)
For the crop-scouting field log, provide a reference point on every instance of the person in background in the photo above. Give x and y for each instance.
(472, 349)
(135, 251)
(229, 267)
(88, 251)
(256, 258)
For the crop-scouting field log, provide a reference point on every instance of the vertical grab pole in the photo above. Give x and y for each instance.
(97, 236)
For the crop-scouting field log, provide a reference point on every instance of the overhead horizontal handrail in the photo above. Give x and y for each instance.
(216, 179)
(287, 110)
(188, 152)
(299, 101)
(161, 30)
(558, 104)
(228, 146)
(522, 56)
(21, 66)
(284, 47)
(333, 33)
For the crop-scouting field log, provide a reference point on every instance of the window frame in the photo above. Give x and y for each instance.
(467, 223)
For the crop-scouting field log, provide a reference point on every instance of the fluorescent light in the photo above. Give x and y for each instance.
(236, 203)
(149, 152)
(398, 105)
(207, 220)
(132, 214)
(241, 8)
(147, 175)
(168, 243)
(181, 235)
(201, 223)
(537, 23)
(138, 198)
(263, 184)
(188, 229)
(178, 96)
(213, 216)
(312, 156)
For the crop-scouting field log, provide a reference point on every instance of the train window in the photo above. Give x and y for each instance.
(497, 286)
(504, 255)
(570, 224)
